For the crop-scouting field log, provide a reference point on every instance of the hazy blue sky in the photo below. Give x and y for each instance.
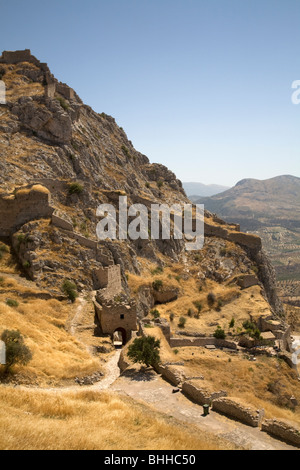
(202, 86)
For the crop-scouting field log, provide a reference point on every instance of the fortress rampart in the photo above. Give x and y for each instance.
(23, 206)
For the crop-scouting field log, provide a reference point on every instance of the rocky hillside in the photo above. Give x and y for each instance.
(57, 150)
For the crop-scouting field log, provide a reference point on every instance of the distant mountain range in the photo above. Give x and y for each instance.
(271, 209)
(196, 190)
(255, 203)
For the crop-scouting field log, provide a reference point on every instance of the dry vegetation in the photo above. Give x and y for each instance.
(267, 383)
(57, 355)
(230, 300)
(34, 420)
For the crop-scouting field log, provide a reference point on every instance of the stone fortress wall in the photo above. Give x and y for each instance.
(53, 86)
(23, 206)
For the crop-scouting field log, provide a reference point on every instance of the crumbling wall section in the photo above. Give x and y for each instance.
(237, 409)
(283, 430)
(199, 394)
(23, 206)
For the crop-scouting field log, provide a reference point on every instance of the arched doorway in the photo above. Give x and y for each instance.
(119, 337)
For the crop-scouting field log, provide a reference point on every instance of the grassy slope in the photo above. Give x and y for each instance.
(57, 355)
(89, 421)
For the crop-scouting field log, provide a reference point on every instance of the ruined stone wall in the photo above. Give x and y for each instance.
(282, 429)
(14, 57)
(60, 222)
(22, 207)
(173, 374)
(237, 409)
(208, 341)
(53, 86)
(244, 239)
(109, 278)
(199, 394)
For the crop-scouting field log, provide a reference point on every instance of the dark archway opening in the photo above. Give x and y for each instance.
(119, 337)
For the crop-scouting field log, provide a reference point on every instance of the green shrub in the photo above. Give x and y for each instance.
(157, 270)
(160, 184)
(155, 313)
(4, 248)
(21, 237)
(232, 323)
(63, 103)
(12, 303)
(248, 325)
(190, 313)
(182, 322)
(16, 350)
(70, 289)
(198, 305)
(126, 151)
(211, 298)
(75, 188)
(172, 316)
(219, 333)
(157, 285)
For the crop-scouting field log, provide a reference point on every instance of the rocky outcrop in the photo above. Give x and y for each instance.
(267, 276)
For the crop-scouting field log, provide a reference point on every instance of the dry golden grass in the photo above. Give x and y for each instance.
(236, 303)
(56, 354)
(245, 379)
(34, 420)
(17, 85)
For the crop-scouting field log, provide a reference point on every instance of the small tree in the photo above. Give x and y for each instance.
(70, 289)
(232, 323)
(145, 350)
(211, 298)
(182, 322)
(155, 313)
(219, 333)
(16, 350)
(198, 306)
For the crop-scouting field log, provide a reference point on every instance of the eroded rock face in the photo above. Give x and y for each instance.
(46, 119)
